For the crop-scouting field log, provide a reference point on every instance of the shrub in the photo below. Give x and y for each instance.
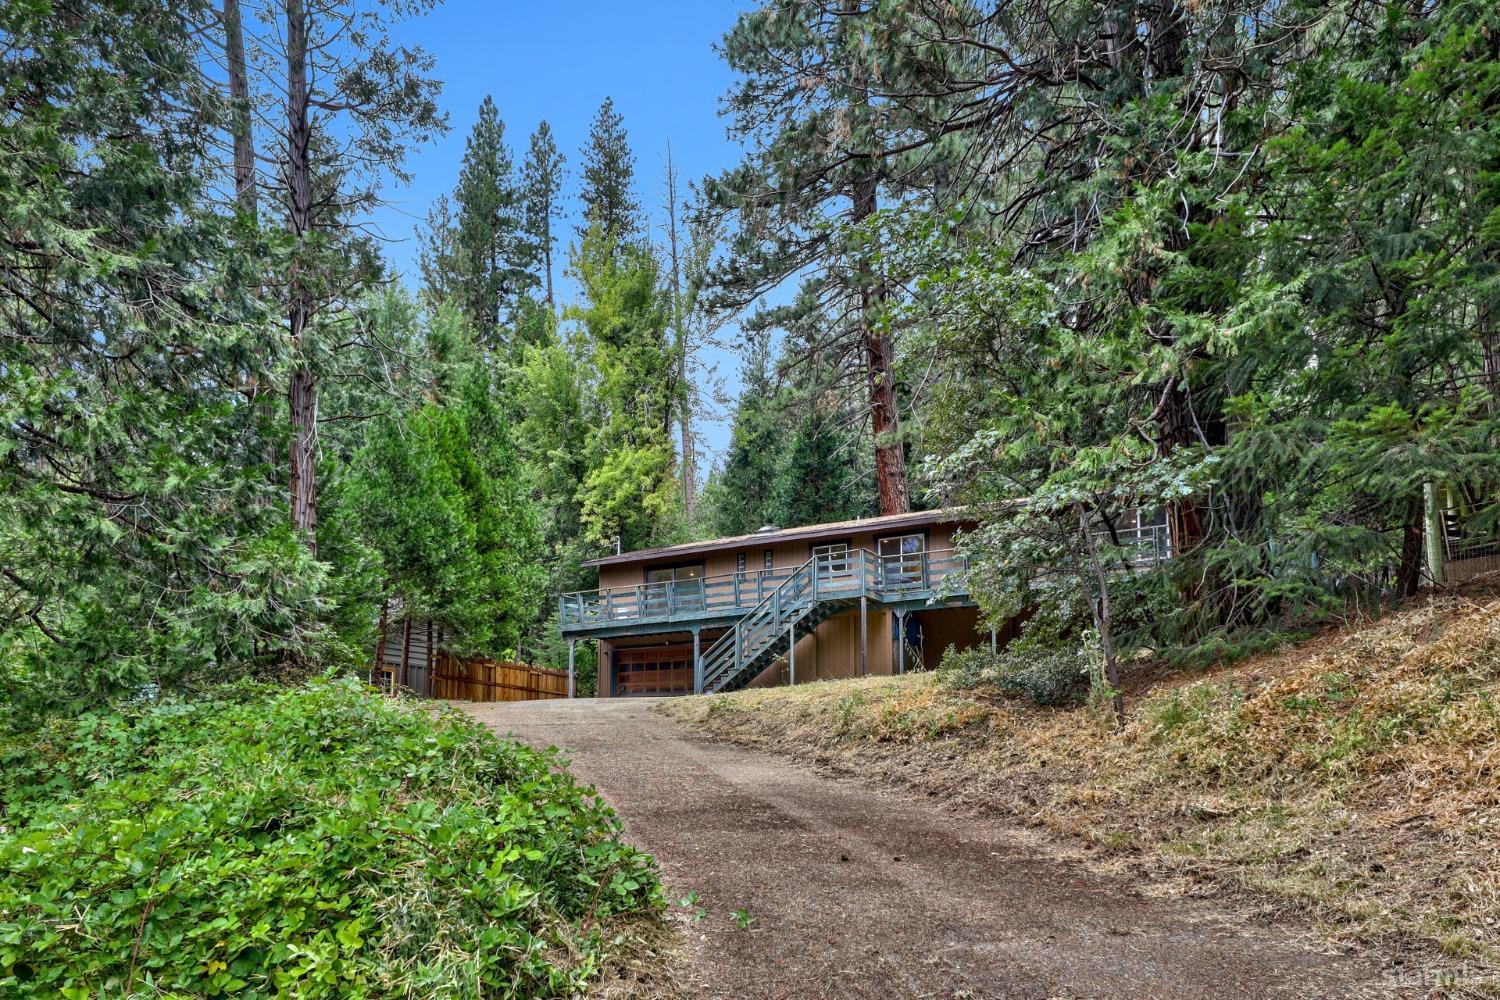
(1047, 675)
(316, 842)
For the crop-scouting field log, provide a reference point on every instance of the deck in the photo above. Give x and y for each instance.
(910, 580)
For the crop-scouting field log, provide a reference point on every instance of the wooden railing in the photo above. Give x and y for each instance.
(725, 594)
(824, 578)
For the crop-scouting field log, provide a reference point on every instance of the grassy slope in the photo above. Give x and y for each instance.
(1356, 776)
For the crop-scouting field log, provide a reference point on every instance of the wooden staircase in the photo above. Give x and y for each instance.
(819, 589)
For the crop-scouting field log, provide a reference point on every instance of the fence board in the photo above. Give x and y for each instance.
(460, 678)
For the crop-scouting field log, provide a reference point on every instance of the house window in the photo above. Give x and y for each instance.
(901, 559)
(770, 562)
(831, 560)
(670, 574)
(739, 563)
(673, 588)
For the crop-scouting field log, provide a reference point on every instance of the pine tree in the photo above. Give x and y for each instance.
(737, 498)
(492, 254)
(609, 199)
(808, 194)
(542, 178)
(436, 253)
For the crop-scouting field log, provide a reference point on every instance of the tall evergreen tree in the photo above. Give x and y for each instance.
(437, 256)
(441, 497)
(491, 251)
(609, 200)
(138, 544)
(737, 497)
(353, 100)
(823, 154)
(541, 181)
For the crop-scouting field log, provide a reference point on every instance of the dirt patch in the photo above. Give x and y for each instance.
(798, 885)
(1353, 781)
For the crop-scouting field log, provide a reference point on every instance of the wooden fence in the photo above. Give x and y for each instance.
(459, 678)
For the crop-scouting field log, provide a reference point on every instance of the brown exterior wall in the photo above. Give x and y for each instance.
(832, 652)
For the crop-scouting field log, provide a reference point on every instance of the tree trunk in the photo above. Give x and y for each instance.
(1102, 620)
(303, 392)
(880, 374)
(1409, 574)
(239, 99)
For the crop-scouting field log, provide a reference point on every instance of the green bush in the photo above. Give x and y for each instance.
(321, 841)
(1047, 675)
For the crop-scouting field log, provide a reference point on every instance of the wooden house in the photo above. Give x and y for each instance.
(874, 596)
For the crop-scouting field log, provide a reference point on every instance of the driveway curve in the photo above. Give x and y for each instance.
(854, 891)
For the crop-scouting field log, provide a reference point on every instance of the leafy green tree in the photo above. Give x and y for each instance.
(138, 541)
(630, 491)
(442, 498)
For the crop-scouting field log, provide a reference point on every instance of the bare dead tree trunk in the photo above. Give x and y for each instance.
(303, 392)
(679, 324)
(1102, 615)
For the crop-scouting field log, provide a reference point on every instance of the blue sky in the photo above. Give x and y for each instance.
(557, 60)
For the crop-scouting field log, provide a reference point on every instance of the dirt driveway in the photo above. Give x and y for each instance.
(855, 891)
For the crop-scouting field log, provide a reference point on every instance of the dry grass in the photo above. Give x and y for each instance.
(1355, 777)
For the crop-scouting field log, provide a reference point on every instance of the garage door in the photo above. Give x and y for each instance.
(655, 670)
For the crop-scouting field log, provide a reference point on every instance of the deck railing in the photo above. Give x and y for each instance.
(727, 594)
(834, 579)
(735, 594)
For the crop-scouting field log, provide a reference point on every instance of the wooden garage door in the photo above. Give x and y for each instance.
(655, 670)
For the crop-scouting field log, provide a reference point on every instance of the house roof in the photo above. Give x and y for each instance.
(810, 532)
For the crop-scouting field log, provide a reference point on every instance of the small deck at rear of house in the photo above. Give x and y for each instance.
(875, 596)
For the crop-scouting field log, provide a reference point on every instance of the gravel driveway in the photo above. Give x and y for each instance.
(855, 891)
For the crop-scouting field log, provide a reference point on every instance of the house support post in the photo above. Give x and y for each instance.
(405, 651)
(994, 641)
(791, 651)
(572, 680)
(697, 664)
(864, 635)
(901, 642)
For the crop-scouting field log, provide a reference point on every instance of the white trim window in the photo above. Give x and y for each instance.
(902, 559)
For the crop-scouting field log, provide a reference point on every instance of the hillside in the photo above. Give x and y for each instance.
(1353, 778)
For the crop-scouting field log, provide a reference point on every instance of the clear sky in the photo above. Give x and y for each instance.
(558, 59)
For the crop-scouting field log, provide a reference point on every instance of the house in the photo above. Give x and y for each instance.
(779, 606)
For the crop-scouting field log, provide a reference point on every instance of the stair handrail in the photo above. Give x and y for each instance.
(740, 640)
